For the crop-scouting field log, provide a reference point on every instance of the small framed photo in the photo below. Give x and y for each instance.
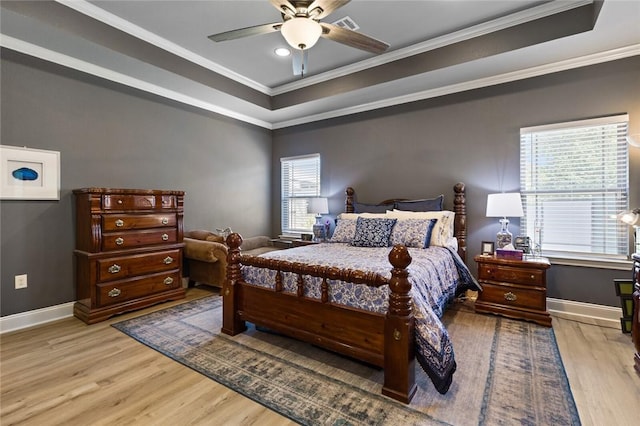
(487, 248)
(29, 174)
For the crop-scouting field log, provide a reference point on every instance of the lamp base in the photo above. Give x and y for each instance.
(504, 237)
(319, 233)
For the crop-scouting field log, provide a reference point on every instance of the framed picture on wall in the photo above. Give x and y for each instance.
(487, 248)
(29, 174)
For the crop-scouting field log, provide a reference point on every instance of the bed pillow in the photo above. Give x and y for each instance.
(371, 208)
(413, 232)
(442, 230)
(425, 205)
(373, 232)
(344, 232)
(355, 216)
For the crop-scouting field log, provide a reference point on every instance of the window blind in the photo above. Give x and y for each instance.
(574, 179)
(300, 177)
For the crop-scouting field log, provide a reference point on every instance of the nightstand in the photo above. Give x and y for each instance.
(513, 288)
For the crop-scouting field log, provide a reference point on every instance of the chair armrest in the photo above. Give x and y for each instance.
(205, 251)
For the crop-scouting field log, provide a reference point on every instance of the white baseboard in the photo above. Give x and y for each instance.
(589, 313)
(36, 317)
(601, 315)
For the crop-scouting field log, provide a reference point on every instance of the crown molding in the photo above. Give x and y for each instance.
(489, 27)
(114, 21)
(564, 65)
(67, 61)
(98, 71)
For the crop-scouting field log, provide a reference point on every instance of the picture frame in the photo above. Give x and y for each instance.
(488, 247)
(29, 174)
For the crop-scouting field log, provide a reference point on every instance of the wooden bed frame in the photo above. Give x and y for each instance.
(383, 340)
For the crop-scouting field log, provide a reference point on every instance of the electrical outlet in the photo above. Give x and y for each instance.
(21, 281)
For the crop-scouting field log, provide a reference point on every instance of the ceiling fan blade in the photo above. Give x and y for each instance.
(300, 60)
(353, 38)
(284, 7)
(246, 32)
(326, 7)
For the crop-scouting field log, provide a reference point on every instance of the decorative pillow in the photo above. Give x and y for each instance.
(372, 232)
(442, 230)
(344, 232)
(371, 208)
(413, 232)
(425, 205)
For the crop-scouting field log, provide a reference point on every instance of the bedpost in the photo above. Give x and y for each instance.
(231, 322)
(348, 201)
(399, 355)
(460, 223)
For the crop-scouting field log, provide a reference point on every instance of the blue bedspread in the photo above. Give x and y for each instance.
(436, 273)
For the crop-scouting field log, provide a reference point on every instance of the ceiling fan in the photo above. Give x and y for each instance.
(301, 28)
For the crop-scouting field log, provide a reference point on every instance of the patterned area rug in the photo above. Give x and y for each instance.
(509, 372)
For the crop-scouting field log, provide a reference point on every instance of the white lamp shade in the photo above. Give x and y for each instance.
(630, 217)
(318, 206)
(301, 33)
(507, 204)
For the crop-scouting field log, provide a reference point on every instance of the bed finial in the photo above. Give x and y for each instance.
(348, 202)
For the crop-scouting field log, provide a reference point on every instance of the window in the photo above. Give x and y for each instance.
(573, 181)
(300, 177)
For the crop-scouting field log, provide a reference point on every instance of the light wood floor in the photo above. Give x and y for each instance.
(67, 373)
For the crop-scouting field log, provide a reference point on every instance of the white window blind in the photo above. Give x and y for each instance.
(573, 181)
(300, 177)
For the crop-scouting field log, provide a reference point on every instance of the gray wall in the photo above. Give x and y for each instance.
(424, 148)
(113, 136)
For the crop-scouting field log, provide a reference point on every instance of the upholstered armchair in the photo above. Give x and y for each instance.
(205, 255)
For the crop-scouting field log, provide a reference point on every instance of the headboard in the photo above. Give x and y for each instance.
(459, 208)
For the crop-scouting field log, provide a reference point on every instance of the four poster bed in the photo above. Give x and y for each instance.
(356, 295)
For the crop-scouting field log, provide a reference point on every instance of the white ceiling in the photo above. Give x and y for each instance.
(410, 27)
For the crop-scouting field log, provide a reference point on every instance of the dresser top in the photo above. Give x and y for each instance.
(125, 191)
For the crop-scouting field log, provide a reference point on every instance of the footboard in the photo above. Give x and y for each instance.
(384, 340)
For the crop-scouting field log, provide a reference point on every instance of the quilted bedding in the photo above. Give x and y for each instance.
(437, 274)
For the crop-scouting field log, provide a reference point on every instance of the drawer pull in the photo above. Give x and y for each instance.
(115, 268)
(119, 223)
(119, 201)
(533, 277)
(165, 237)
(114, 292)
(168, 281)
(488, 271)
(168, 260)
(510, 297)
(165, 220)
(119, 241)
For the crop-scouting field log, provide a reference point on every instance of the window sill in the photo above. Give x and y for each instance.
(621, 265)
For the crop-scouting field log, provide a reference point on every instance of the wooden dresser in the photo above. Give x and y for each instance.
(513, 288)
(635, 325)
(128, 250)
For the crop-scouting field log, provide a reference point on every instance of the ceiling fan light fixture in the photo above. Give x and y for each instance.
(301, 33)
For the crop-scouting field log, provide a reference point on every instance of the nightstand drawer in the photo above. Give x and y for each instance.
(513, 296)
(511, 275)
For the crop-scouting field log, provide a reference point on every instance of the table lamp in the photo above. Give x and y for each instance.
(632, 218)
(504, 205)
(318, 206)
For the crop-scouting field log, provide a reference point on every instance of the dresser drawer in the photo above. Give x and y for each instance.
(121, 222)
(128, 202)
(513, 296)
(121, 267)
(511, 274)
(121, 291)
(125, 240)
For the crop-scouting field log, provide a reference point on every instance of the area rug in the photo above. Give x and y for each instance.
(509, 372)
